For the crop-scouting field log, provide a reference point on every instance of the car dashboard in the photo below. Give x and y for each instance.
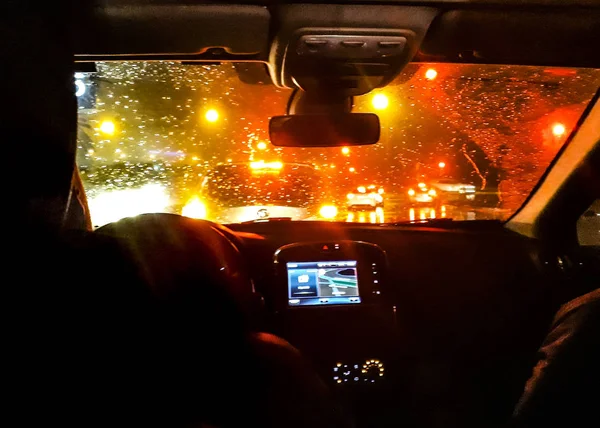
(407, 321)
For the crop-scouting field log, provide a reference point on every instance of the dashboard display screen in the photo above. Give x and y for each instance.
(322, 283)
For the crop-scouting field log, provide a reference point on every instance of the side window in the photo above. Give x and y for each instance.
(588, 226)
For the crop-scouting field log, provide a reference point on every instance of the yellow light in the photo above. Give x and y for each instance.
(372, 217)
(431, 74)
(380, 191)
(350, 195)
(422, 185)
(361, 189)
(432, 192)
(345, 150)
(411, 192)
(194, 209)
(261, 145)
(266, 165)
(212, 115)
(328, 211)
(352, 169)
(411, 214)
(558, 129)
(107, 127)
(442, 164)
(380, 101)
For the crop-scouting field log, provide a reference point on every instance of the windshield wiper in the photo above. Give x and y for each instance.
(267, 220)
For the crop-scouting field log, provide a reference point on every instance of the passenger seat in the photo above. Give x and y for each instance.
(564, 389)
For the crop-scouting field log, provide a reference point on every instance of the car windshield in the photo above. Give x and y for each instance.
(239, 185)
(459, 141)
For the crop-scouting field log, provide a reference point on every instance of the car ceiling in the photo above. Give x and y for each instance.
(534, 32)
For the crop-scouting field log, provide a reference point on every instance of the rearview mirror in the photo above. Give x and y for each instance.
(313, 130)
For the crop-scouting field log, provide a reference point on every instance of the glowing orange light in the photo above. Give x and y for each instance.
(380, 101)
(558, 129)
(442, 164)
(431, 74)
(261, 145)
(345, 150)
(212, 115)
(266, 165)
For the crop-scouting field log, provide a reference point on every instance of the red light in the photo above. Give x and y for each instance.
(558, 129)
(431, 74)
(325, 248)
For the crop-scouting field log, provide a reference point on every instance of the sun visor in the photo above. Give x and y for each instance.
(562, 37)
(215, 31)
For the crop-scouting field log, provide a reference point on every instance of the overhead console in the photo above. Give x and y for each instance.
(347, 50)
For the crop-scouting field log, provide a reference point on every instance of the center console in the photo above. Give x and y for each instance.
(331, 274)
(330, 303)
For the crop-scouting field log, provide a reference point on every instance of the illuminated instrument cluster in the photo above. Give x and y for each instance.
(370, 371)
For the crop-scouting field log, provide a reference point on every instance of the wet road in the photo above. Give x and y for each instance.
(398, 208)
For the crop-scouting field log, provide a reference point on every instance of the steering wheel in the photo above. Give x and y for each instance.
(189, 261)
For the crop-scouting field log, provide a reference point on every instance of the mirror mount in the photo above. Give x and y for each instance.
(322, 102)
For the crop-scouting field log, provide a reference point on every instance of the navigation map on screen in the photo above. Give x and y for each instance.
(322, 283)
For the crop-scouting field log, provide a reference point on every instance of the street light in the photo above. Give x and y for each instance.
(345, 150)
(431, 74)
(558, 129)
(442, 165)
(380, 101)
(107, 127)
(212, 115)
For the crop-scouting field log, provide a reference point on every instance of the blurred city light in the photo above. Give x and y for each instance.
(212, 115)
(380, 101)
(442, 164)
(352, 169)
(431, 74)
(114, 205)
(261, 145)
(328, 211)
(79, 88)
(266, 165)
(558, 129)
(194, 209)
(345, 150)
(107, 127)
